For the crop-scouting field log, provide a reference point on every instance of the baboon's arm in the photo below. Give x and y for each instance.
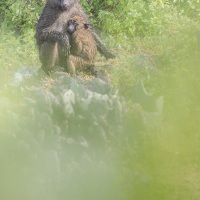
(54, 36)
(101, 47)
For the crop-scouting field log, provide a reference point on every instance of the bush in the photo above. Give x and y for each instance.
(190, 8)
(20, 15)
(119, 18)
(139, 18)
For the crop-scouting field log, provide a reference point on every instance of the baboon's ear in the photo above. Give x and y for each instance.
(86, 26)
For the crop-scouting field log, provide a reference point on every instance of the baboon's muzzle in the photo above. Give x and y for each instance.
(65, 4)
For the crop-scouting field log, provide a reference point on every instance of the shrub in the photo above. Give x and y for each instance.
(20, 14)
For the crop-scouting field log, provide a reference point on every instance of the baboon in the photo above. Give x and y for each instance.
(83, 45)
(51, 36)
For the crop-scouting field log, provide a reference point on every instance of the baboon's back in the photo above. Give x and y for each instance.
(84, 44)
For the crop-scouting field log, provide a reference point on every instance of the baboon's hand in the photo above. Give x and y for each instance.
(109, 55)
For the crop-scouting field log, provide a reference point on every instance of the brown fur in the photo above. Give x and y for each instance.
(52, 40)
(83, 46)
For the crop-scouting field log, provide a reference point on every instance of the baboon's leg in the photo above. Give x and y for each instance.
(76, 63)
(48, 56)
(71, 65)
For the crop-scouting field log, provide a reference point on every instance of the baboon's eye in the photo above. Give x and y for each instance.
(71, 21)
(86, 26)
(75, 22)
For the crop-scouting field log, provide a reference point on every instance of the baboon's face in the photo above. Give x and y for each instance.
(72, 25)
(76, 23)
(66, 4)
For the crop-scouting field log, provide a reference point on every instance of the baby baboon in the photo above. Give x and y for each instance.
(83, 45)
(51, 37)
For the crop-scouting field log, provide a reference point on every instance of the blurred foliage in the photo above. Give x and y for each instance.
(65, 137)
(62, 135)
(56, 136)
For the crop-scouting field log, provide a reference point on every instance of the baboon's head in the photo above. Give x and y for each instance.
(63, 4)
(66, 4)
(76, 23)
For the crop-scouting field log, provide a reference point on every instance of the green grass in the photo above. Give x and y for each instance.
(16, 52)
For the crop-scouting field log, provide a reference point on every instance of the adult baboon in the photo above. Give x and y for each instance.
(51, 37)
(83, 45)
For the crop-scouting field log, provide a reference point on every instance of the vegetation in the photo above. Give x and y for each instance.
(135, 136)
